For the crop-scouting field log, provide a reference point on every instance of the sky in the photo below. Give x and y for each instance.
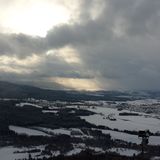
(81, 44)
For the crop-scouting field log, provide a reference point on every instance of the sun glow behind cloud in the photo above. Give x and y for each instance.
(68, 54)
(32, 60)
(34, 17)
(77, 83)
(19, 66)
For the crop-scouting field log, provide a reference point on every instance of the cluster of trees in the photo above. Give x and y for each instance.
(88, 155)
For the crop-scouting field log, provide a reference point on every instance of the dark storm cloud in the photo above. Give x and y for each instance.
(52, 66)
(141, 16)
(21, 45)
(121, 44)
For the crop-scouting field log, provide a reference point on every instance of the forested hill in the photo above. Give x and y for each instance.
(11, 90)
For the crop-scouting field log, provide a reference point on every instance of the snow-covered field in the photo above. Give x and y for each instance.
(155, 158)
(144, 102)
(124, 151)
(13, 153)
(49, 111)
(73, 132)
(27, 131)
(131, 123)
(7, 153)
(153, 140)
(57, 131)
(106, 114)
(28, 104)
(74, 151)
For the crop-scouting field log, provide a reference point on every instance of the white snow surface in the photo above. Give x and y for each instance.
(124, 151)
(28, 104)
(10, 153)
(27, 131)
(155, 158)
(49, 111)
(132, 123)
(74, 151)
(144, 102)
(7, 153)
(153, 140)
(55, 131)
(62, 131)
(56, 153)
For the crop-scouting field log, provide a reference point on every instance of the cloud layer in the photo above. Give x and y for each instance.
(114, 44)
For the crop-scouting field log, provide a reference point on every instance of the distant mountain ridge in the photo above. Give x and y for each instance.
(11, 90)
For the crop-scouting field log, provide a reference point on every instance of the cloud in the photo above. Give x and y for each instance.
(21, 45)
(118, 46)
